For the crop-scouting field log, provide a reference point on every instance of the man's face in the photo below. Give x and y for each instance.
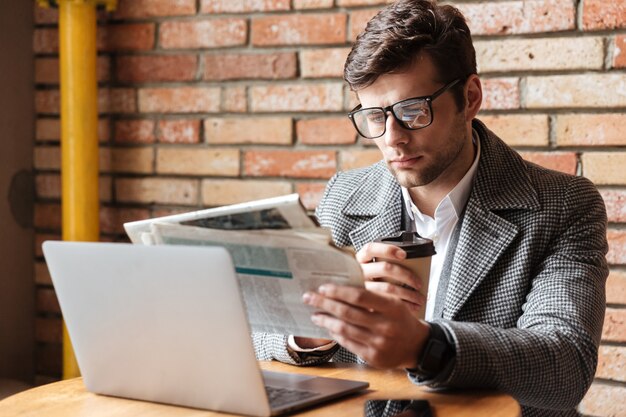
(429, 155)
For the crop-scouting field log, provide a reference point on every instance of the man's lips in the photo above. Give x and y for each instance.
(404, 162)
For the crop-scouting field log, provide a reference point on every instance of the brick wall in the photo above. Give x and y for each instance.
(211, 102)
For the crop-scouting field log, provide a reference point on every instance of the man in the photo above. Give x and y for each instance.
(516, 296)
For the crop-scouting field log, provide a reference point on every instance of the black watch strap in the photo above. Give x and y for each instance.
(436, 354)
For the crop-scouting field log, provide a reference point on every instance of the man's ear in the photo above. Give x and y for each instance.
(473, 97)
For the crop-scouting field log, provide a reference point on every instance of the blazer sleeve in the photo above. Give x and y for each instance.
(549, 359)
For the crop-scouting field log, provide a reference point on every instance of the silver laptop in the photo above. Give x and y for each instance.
(167, 324)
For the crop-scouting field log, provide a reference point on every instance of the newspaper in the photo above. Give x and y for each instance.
(278, 252)
(285, 212)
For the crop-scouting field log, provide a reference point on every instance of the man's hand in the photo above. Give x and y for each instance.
(380, 329)
(388, 278)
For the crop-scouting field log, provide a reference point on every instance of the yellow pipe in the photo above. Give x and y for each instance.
(79, 137)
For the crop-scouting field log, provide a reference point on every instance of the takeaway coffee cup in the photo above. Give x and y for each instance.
(419, 252)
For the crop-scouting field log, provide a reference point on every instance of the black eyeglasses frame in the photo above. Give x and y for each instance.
(429, 99)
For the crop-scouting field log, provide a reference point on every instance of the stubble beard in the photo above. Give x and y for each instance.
(439, 162)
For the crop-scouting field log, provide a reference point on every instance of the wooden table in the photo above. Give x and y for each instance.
(70, 399)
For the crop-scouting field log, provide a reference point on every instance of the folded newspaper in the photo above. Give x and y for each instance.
(279, 252)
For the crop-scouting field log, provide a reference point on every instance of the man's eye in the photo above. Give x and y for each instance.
(410, 115)
(375, 118)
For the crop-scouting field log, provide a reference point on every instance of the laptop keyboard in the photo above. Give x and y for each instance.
(280, 396)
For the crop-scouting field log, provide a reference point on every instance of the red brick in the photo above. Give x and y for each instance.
(47, 70)
(604, 14)
(616, 287)
(605, 168)
(45, 40)
(234, 99)
(47, 157)
(558, 161)
(319, 63)
(297, 97)
(617, 247)
(243, 6)
(43, 15)
(326, 131)
(305, 29)
(312, 4)
(117, 100)
(576, 90)
(167, 211)
(223, 192)
(541, 54)
(614, 329)
(519, 129)
(615, 201)
(297, 164)
(198, 161)
(112, 219)
(48, 129)
(516, 17)
(179, 131)
(310, 193)
(501, 93)
(260, 130)
(154, 68)
(134, 131)
(141, 9)
(358, 21)
(204, 33)
(42, 275)
(127, 37)
(135, 160)
(157, 190)
(249, 66)
(603, 400)
(612, 363)
(47, 101)
(590, 129)
(179, 100)
(48, 185)
(46, 301)
(357, 159)
(619, 52)
(48, 330)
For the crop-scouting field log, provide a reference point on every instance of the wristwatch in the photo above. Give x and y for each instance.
(437, 353)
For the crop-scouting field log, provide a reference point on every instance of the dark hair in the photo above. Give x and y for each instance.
(400, 32)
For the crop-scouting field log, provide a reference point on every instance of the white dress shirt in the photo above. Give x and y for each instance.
(440, 228)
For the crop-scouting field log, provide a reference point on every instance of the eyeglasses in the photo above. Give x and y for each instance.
(412, 114)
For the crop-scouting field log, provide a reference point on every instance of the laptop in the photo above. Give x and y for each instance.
(167, 324)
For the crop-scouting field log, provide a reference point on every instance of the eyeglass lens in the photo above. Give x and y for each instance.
(412, 114)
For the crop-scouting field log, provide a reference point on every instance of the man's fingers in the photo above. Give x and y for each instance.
(373, 250)
(405, 294)
(358, 315)
(387, 271)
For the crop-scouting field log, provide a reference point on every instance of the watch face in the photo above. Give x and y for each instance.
(436, 353)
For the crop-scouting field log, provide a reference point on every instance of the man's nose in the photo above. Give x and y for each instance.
(395, 135)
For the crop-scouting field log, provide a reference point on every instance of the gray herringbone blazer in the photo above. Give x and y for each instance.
(525, 296)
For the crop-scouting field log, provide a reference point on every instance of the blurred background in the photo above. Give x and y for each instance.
(209, 102)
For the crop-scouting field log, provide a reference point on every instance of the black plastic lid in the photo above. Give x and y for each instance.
(413, 244)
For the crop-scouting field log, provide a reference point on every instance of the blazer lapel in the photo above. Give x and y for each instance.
(379, 203)
(501, 184)
(484, 236)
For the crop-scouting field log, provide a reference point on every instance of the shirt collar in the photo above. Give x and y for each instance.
(457, 197)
